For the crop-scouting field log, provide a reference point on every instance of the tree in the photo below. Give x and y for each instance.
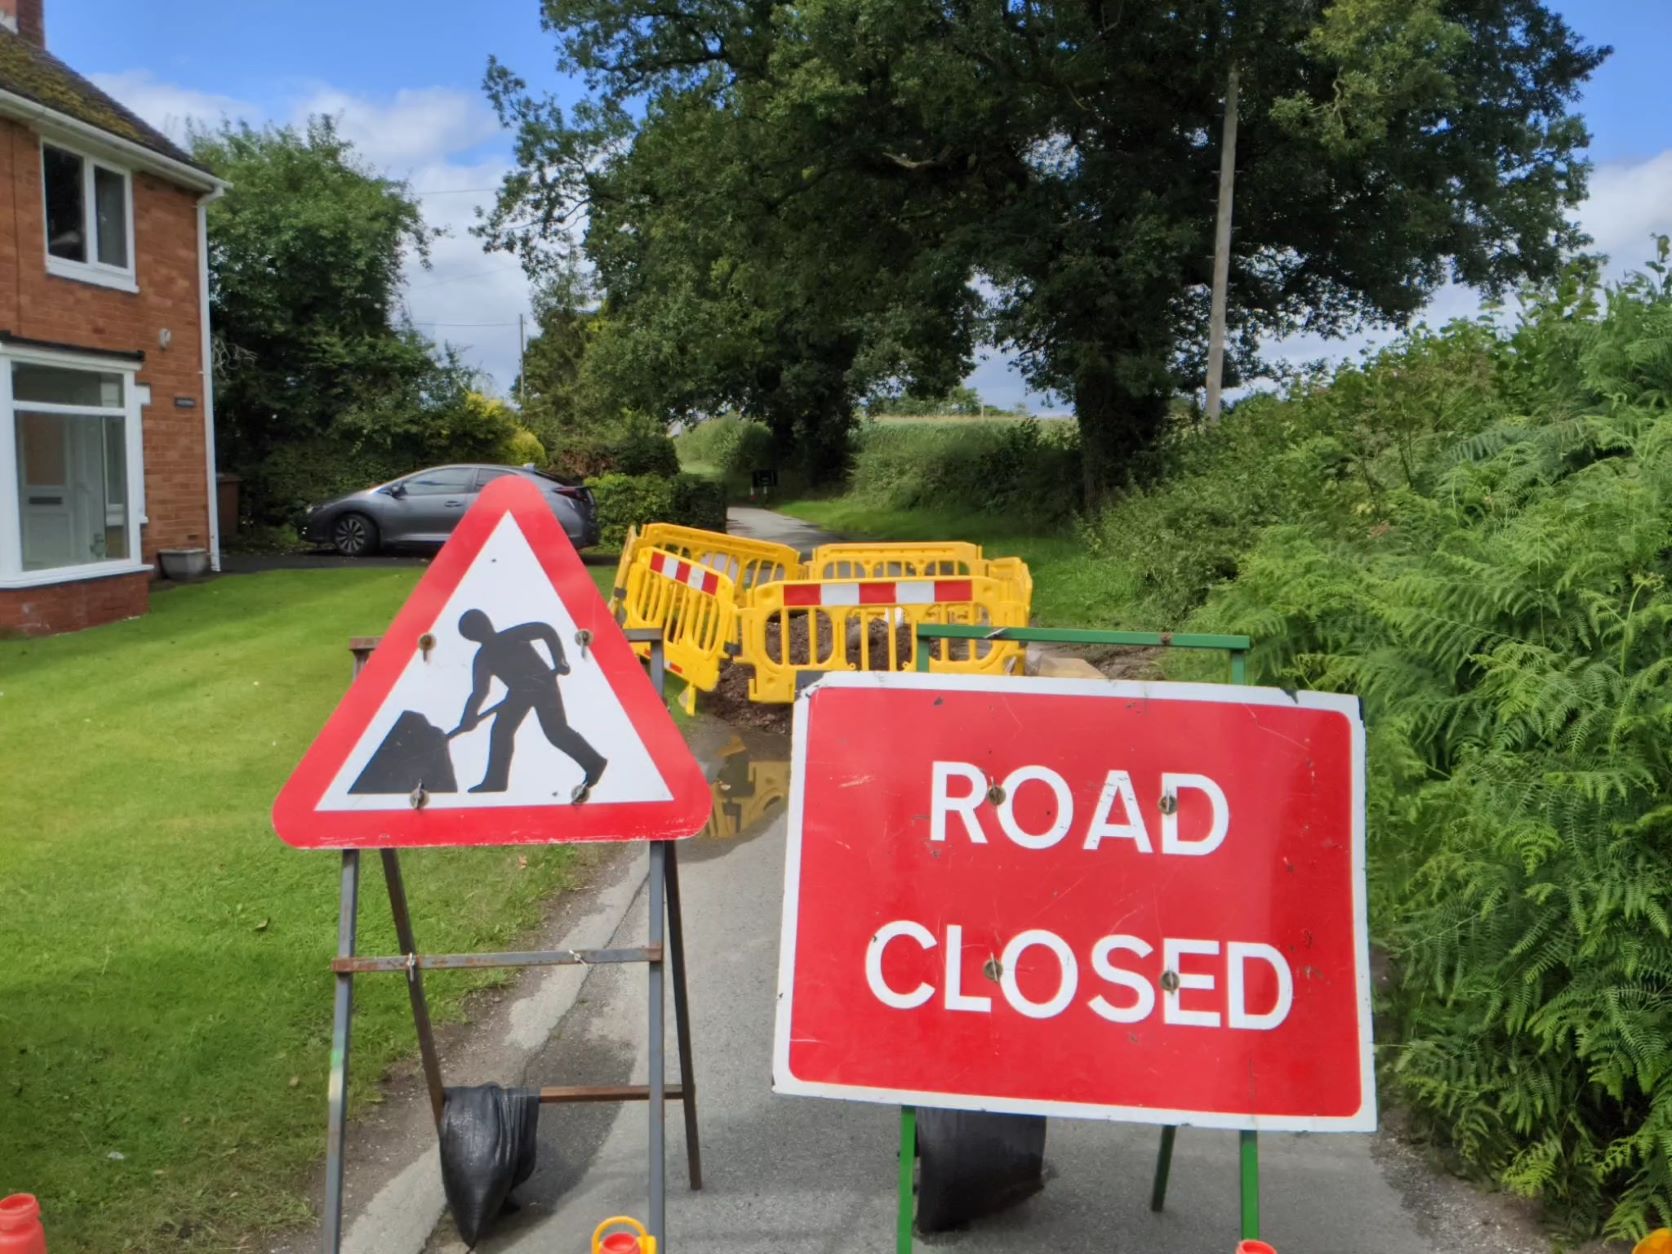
(305, 256)
(807, 191)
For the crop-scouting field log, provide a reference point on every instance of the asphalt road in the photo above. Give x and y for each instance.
(818, 1177)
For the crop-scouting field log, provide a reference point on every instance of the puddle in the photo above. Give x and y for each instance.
(751, 788)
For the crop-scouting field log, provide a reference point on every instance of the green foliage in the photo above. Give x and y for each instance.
(786, 203)
(524, 449)
(1501, 599)
(631, 500)
(633, 446)
(1332, 451)
(1024, 469)
(730, 446)
(699, 502)
(305, 255)
(961, 400)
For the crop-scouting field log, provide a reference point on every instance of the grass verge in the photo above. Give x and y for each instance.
(165, 1001)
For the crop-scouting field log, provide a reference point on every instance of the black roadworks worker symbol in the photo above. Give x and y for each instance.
(530, 683)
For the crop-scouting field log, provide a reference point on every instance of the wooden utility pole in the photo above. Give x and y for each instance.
(1222, 248)
(522, 360)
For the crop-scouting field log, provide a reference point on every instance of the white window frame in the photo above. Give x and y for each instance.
(12, 574)
(123, 278)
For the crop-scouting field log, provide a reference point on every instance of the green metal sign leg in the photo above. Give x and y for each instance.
(1163, 1168)
(908, 1168)
(1250, 1148)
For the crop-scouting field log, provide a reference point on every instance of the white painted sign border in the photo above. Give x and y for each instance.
(785, 1081)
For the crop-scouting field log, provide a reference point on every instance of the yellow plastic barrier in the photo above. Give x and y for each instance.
(747, 563)
(794, 631)
(920, 559)
(695, 609)
(746, 791)
(629, 550)
(916, 559)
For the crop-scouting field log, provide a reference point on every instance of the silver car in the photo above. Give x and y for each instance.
(424, 508)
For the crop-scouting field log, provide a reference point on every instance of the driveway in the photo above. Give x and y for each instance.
(767, 524)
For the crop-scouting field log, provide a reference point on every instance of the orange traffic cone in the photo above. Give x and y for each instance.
(1657, 1242)
(1254, 1247)
(631, 1239)
(20, 1225)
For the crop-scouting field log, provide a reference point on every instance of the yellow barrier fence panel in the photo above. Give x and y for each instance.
(794, 631)
(747, 563)
(914, 559)
(618, 590)
(695, 609)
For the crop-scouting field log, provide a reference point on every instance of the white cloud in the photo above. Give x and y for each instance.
(169, 108)
(467, 297)
(1628, 205)
(443, 143)
(416, 127)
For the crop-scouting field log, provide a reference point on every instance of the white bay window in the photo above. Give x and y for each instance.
(70, 469)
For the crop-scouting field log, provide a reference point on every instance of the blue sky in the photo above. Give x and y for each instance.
(405, 79)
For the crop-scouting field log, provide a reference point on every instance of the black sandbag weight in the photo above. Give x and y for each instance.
(974, 1165)
(488, 1144)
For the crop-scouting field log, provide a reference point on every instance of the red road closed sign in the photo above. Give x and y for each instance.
(1061, 897)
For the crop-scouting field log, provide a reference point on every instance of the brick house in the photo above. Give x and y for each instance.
(107, 452)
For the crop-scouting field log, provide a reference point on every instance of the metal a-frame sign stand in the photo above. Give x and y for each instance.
(1249, 1145)
(663, 946)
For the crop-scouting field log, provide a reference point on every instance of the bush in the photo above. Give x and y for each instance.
(1332, 454)
(639, 446)
(1025, 469)
(732, 446)
(699, 502)
(295, 476)
(1489, 566)
(524, 449)
(632, 500)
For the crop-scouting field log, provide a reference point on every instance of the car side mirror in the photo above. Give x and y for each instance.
(396, 490)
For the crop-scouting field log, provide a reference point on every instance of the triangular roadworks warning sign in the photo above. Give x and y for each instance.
(503, 707)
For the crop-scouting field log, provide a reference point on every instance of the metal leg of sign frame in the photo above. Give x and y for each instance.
(666, 942)
(1248, 1147)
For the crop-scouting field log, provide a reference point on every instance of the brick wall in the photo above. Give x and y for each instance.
(60, 607)
(40, 306)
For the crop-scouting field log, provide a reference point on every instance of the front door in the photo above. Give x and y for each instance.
(43, 468)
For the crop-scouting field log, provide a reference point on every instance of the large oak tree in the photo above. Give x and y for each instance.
(785, 206)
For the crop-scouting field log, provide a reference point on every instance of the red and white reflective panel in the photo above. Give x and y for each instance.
(879, 592)
(699, 577)
(1066, 897)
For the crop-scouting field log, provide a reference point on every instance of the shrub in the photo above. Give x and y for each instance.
(1022, 468)
(638, 446)
(295, 476)
(1499, 595)
(524, 449)
(632, 500)
(699, 502)
(734, 447)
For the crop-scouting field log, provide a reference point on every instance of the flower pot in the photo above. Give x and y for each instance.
(182, 564)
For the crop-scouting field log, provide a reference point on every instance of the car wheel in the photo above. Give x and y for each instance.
(354, 535)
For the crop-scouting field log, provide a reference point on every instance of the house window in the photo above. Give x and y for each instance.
(74, 450)
(89, 218)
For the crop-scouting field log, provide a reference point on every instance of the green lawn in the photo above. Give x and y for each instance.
(1071, 588)
(165, 1004)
